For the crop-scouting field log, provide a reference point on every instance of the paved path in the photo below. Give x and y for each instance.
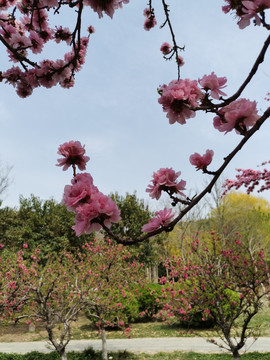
(150, 345)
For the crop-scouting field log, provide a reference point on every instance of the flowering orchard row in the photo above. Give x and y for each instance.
(101, 277)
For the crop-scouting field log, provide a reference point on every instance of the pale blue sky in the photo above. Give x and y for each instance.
(113, 107)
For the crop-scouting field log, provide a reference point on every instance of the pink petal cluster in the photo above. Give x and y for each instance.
(201, 161)
(250, 179)
(162, 219)
(177, 97)
(240, 115)
(26, 35)
(90, 205)
(250, 10)
(247, 10)
(165, 48)
(107, 6)
(47, 73)
(180, 61)
(214, 84)
(79, 192)
(150, 20)
(165, 179)
(73, 153)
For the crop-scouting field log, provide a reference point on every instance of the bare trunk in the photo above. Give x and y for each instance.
(104, 345)
(236, 355)
(63, 355)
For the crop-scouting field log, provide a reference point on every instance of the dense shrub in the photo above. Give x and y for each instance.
(128, 311)
(149, 301)
(87, 354)
(33, 355)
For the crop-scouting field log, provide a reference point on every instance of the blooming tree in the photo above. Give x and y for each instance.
(101, 278)
(14, 294)
(223, 282)
(57, 293)
(115, 275)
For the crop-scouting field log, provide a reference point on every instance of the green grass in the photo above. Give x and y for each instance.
(194, 356)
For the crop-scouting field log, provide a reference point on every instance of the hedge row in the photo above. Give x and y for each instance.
(73, 355)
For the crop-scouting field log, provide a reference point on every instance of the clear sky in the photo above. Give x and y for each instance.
(113, 106)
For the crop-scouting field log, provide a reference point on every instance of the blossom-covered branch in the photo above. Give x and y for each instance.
(181, 99)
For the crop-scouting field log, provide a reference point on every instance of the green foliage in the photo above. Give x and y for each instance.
(128, 312)
(37, 222)
(33, 355)
(246, 214)
(134, 214)
(148, 301)
(201, 320)
(91, 354)
(86, 354)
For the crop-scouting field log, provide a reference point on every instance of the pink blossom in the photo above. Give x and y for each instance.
(25, 246)
(250, 10)
(80, 192)
(12, 75)
(201, 162)
(37, 42)
(250, 179)
(91, 29)
(239, 115)
(62, 34)
(108, 6)
(150, 20)
(165, 48)
(89, 216)
(177, 97)
(149, 23)
(214, 84)
(162, 219)
(180, 61)
(165, 180)
(73, 153)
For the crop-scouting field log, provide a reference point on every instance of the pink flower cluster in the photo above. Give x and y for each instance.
(73, 153)
(108, 6)
(92, 207)
(150, 20)
(162, 219)
(47, 73)
(25, 29)
(247, 10)
(214, 84)
(249, 179)
(165, 179)
(177, 97)
(239, 115)
(165, 48)
(201, 162)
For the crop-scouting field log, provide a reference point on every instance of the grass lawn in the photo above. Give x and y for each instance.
(195, 356)
(123, 355)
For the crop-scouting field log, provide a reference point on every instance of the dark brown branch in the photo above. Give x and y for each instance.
(259, 60)
(175, 46)
(196, 199)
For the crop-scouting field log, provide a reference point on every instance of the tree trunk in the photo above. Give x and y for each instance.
(63, 355)
(236, 355)
(104, 345)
